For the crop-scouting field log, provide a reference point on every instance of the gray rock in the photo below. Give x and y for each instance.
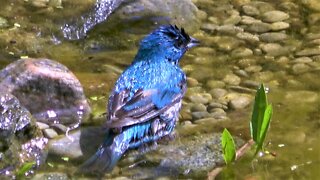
(253, 69)
(300, 68)
(248, 20)
(218, 92)
(241, 89)
(200, 115)
(47, 89)
(182, 13)
(79, 144)
(273, 37)
(241, 73)
(274, 49)
(309, 52)
(252, 38)
(259, 27)
(274, 16)
(250, 84)
(202, 98)
(229, 29)
(198, 107)
(21, 140)
(250, 10)
(277, 26)
(233, 19)
(232, 79)
(42, 125)
(240, 102)
(302, 60)
(50, 133)
(241, 52)
(215, 84)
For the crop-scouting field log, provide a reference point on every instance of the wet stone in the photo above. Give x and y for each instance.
(252, 38)
(200, 115)
(302, 60)
(250, 84)
(253, 69)
(309, 52)
(273, 37)
(274, 49)
(198, 107)
(274, 16)
(259, 27)
(47, 89)
(241, 52)
(300, 68)
(218, 92)
(50, 133)
(3, 23)
(233, 19)
(277, 26)
(241, 89)
(229, 29)
(250, 10)
(42, 125)
(241, 73)
(240, 102)
(192, 82)
(232, 79)
(200, 98)
(20, 138)
(248, 20)
(215, 84)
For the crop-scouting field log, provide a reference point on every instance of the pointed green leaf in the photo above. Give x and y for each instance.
(25, 168)
(228, 147)
(264, 126)
(260, 103)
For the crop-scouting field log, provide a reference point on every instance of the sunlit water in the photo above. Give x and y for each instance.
(294, 135)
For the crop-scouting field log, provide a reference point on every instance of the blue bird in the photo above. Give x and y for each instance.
(145, 102)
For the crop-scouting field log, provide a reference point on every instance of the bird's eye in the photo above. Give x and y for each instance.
(179, 43)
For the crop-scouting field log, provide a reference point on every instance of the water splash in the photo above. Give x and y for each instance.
(78, 27)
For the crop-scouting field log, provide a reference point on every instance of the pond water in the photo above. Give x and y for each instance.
(237, 52)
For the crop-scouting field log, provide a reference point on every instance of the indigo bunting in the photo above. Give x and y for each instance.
(145, 102)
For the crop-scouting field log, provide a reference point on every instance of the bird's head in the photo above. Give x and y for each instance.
(166, 43)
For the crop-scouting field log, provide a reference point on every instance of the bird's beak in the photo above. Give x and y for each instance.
(193, 42)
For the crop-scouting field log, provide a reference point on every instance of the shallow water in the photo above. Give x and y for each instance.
(98, 60)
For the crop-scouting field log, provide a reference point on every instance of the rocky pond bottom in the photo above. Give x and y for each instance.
(243, 43)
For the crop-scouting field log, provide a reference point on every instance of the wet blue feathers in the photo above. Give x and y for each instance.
(144, 104)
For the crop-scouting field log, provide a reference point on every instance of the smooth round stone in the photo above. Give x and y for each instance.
(42, 125)
(215, 84)
(300, 68)
(60, 128)
(302, 60)
(214, 20)
(243, 63)
(218, 92)
(200, 98)
(259, 27)
(233, 19)
(192, 82)
(274, 16)
(312, 36)
(241, 89)
(226, 43)
(250, 84)
(247, 20)
(252, 38)
(202, 15)
(50, 133)
(215, 105)
(229, 29)
(312, 4)
(253, 69)
(309, 52)
(274, 49)
(200, 115)
(218, 113)
(277, 26)
(273, 37)
(239, 102)
(198, 107)
(232, 79)
(241, 52)
(241, 73)
(209, 27)
(250, 10)
(303, 96)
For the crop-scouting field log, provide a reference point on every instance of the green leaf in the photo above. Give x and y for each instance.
(260, 103)
(264, 126)
(25, 168)
(228, 147)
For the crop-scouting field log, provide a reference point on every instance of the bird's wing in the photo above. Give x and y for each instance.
(144, 105)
